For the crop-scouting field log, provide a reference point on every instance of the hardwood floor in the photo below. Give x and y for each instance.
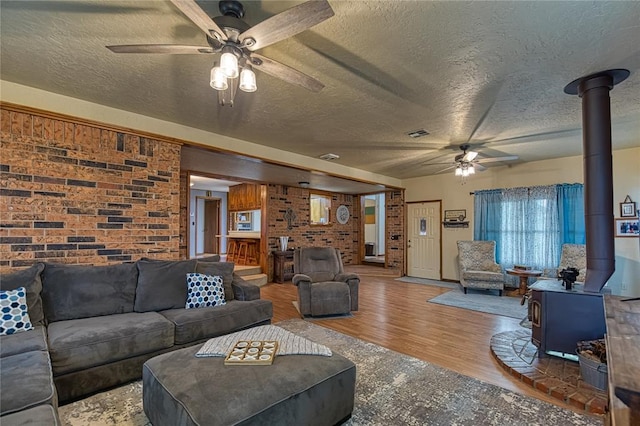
(396, 315)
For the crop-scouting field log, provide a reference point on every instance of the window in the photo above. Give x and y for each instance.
(529, 225)
(319, 209)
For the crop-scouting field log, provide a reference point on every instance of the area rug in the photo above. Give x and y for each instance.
(324, 317)
(483, 302)
(426, 281)
(391, 389)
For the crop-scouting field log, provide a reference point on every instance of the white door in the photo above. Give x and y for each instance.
(423, 245)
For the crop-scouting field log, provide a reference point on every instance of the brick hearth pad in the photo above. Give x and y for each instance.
(555, 376)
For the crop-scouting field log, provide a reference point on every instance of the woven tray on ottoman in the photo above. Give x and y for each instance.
(182, 389)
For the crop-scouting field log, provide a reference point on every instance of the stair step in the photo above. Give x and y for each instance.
(244, 270)
(256, 279)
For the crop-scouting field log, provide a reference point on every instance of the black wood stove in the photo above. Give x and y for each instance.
(561, 318)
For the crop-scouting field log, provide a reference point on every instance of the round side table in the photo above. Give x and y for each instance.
(524, 275)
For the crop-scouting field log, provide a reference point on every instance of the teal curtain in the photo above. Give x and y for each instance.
(486, 215)
(571, 213)
(529, 225)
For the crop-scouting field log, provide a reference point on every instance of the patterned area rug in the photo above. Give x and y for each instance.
(483, 301)
(391, 389)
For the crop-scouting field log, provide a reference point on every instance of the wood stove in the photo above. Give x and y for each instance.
(561, 318)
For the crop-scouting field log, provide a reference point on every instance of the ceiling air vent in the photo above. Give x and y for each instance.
(329, 157)
(418, 133)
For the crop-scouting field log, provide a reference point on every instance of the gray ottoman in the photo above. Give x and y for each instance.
(181, 389)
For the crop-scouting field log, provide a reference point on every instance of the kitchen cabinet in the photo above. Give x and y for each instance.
(245, 196)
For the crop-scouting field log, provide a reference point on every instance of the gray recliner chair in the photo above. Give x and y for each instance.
(323, 287)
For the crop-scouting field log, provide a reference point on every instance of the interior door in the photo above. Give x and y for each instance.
(211, 226)
(423, 245)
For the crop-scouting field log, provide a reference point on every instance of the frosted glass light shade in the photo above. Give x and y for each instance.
(458, 171)
(229, 64)
(472, 170)
(218, 79)
(465, 172)
(248, 80)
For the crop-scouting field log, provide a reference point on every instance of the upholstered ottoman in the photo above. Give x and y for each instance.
(182, 389)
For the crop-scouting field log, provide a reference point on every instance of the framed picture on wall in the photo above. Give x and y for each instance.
(627, 227)
(628, 208)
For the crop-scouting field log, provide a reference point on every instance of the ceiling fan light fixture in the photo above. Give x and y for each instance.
(248, 79)
(458, 171)
(465, 172)
(218, 79)
(471, 169)
(229, 62)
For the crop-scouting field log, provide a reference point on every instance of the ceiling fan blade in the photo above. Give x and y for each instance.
(479, 167)
(287, 24)
(191, 9)
(444, 170)
(469, 156)
(285, 73)
(496, 159)
(174, 49)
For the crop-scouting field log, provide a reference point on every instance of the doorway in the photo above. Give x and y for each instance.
(207, 225)
(373, 206)
(424, 240)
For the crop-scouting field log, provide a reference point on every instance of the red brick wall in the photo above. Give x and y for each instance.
(82, 194)
(345, 237)
(395, 222)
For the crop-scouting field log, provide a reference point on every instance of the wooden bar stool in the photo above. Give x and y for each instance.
(232, 250)
(252, 253)
(243, 253)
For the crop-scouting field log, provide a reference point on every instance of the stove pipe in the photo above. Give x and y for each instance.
(598, 173)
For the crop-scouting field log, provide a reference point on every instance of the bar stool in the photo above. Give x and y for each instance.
(243, 253)
(252, 253)
(232, 248)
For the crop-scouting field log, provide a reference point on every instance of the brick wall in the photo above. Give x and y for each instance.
(395, 221)
(82, 194)
(344, 237)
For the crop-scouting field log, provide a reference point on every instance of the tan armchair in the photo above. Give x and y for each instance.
(323, 287)
(572, 256)
(477, 266)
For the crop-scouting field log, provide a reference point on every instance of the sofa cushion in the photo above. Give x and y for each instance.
(78, 291)
(87, 342)
(42, 415)
(192, 325)
(223, 269)
(162, 284)
(204, 291)
(14, 317)
(30, 279)
(32, 340)
(26, 381)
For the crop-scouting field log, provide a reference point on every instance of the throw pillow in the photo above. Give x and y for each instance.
(13, 306)
(31, 280)
(204, 290)
(222, 269)
(161, 284)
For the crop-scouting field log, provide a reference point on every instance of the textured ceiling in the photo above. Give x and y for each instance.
(488, 73)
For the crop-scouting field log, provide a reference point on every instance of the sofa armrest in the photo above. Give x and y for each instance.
(243, 290)
(298, 278)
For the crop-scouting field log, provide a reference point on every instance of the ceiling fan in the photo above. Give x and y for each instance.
(237, 42)
(468, 162)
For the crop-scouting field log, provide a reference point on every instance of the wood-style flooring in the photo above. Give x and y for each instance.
(396, 315)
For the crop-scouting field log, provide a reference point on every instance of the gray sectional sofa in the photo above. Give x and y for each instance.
(94, 327)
